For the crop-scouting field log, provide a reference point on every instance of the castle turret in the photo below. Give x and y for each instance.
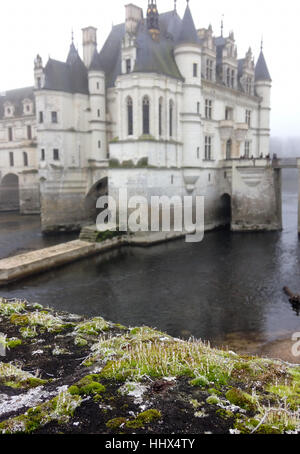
(188, 59)
(97, 91)
(263, 85)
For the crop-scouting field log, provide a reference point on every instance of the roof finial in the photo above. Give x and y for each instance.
(262, 44)
(222, 25)
(175, 5)
(72, 36)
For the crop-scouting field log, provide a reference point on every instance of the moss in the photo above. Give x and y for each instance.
(89, 385)
(80, 342)
(200, 382)
(9, 308)
(19, 320)
(92, 327)
(13, 343)
(28, 333)
(116, 423)
(35, 382)
(213, 400)
(214, 392)
(241, 399)
(107, 235)
(59, 409)
(143, 419)
(120, 327)
(225, 414)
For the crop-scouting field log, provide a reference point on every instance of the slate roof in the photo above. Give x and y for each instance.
(188, 33)
(261, 69)
(16, 98)
(152, 56)
(71, 77)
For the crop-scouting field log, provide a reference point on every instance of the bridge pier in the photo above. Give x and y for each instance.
(256, 196)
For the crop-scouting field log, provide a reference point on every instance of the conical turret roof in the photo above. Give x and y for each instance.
(188, 33)
(261, 70)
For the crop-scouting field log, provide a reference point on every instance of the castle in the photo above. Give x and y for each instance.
(162, 109)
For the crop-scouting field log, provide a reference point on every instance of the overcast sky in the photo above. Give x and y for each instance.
(30, 27)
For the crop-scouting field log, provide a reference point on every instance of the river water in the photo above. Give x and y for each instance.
(226, 290)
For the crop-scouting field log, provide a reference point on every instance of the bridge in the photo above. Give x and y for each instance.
(286, 163)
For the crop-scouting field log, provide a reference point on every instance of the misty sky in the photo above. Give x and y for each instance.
(32, 27)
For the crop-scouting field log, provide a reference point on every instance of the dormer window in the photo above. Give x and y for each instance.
(9, 110)
(27, 107)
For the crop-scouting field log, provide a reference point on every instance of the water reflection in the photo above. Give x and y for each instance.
(227, 289)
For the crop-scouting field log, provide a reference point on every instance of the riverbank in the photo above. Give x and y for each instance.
(65, 374)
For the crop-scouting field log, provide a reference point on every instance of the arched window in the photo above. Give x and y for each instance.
(160, 117)
(25, 159)
(146, 115)
(129, 116)
(228, 149)
(171, 118)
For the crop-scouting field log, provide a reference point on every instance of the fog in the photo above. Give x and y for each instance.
(32, 27)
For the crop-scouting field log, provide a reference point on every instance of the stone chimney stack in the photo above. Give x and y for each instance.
(89, 43)
(134, 14)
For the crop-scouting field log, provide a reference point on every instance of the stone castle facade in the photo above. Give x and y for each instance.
(162, 109)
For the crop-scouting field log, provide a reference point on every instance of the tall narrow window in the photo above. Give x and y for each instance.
(98, 113)
(228, 149)
(208, 109)
(56, 154)
(228, 77)
(248, 118)
(41, 117)
(11, 159)
(247, 149)
(160, 107)
(25, 159)
(43, 154)
(195, 70)
(54, 117)
(99, 143)
(209, 69)
(130, 116)
(198, 153)
(198, 107)
(128, 66)
(171, 118)
(10, 134)
(146, 116)
(208, 153)
(232, 79)
(29, 132)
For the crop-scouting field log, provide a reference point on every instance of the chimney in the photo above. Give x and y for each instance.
(134, 14)
(89, 44)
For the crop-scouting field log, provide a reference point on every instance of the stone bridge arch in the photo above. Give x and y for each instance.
(10, 193)
(99, 189)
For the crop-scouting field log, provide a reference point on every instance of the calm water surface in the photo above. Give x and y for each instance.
(227, 288)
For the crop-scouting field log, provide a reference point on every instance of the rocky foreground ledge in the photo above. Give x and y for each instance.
(62, 373)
